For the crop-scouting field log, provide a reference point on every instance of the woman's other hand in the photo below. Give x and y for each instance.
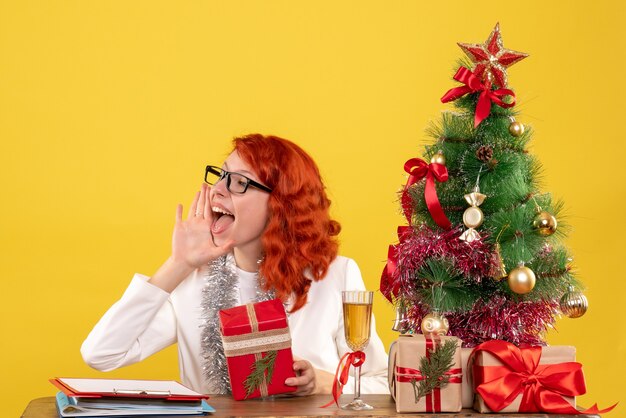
(309, 380)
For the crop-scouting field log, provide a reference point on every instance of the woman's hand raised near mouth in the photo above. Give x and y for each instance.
(192, 243)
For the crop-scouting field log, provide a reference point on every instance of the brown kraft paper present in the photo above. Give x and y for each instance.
(549, 355)
(404, 359)
(467, 391)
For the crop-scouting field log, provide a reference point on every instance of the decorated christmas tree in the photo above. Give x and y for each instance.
(482, 256)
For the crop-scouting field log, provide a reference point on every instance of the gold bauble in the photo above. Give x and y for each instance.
(435, 324)
(473, 217)
(545, 223)
(439, 158)
(521, 280)
(573, 304)
(516, 129)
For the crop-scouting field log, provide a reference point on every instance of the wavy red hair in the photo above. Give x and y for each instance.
(300, 235)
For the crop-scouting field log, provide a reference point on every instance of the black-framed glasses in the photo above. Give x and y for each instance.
(235, 182)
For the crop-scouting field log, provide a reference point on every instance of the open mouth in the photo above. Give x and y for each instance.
(222, 219)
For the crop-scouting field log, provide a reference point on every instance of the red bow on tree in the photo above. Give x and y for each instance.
(474, 85)
(418, 169)
(542, 385)
(389, 285)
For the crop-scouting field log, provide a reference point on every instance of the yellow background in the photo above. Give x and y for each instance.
(109, 111)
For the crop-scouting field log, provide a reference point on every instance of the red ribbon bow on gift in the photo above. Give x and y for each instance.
(356, 359)
(474, 85)
(542, 386)
(418, 169)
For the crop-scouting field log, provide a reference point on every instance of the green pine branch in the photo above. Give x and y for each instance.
(433, 369)
(554, 274)
(442, 287)
(258, 370)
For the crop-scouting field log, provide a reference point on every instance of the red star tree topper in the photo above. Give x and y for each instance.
(491, 58)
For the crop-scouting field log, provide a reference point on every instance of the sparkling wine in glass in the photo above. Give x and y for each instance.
(357, 318)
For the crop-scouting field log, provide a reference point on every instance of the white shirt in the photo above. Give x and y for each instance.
(247, 285)
(147, 319)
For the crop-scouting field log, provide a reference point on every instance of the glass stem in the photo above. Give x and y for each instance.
(357, 382)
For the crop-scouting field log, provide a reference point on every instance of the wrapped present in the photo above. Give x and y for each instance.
(257, 345)
(416, 382)
(467, 391)
(534, 379)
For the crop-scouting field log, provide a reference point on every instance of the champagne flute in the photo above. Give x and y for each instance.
(357, 317)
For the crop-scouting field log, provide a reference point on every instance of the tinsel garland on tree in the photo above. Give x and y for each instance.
(501, 269)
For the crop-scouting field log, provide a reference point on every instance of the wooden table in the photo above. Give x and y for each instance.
(293, 407)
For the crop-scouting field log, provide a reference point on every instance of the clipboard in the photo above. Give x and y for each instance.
(126, 388)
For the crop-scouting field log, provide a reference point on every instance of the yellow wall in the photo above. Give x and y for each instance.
(109, 111)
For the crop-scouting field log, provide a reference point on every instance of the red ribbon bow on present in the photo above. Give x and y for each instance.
(356, 359)
(474, 85)
(418, 169)
(542, 385)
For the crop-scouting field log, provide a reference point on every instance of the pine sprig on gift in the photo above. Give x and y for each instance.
(433, 368)
(255, 378)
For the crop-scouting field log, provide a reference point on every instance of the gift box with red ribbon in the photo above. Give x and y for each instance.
(257, 344)
(467, 391)
(405, 356)
(509, 379)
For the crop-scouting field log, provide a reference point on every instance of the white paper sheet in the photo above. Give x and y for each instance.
(112, 385)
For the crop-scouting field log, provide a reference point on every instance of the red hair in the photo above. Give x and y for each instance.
(300, 235)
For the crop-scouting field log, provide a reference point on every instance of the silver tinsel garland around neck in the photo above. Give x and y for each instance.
(221, 291)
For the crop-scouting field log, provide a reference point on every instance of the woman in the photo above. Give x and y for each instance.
(262, 231)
